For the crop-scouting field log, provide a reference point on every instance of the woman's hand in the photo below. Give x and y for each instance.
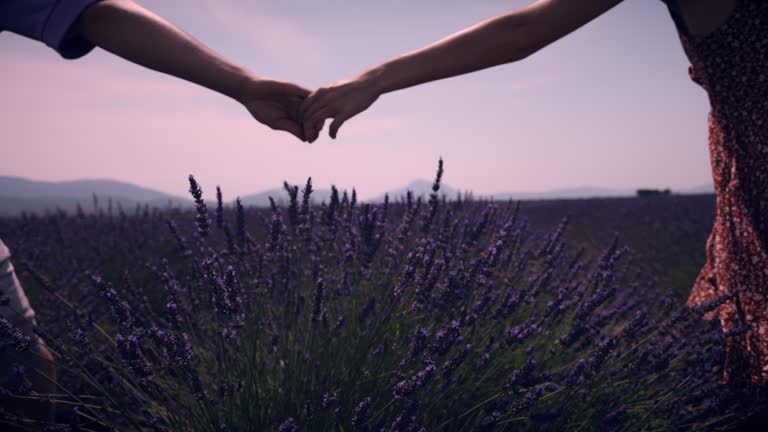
(339, 101)
(503, 39)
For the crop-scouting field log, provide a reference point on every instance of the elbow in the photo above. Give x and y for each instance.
(99, 8)
(105, 9)
(519, 37)
(98, 19)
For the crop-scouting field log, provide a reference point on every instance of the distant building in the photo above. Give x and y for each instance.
(653, 192)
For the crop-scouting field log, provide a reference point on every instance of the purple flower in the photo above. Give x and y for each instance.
(156, 423)
(524, 376)
(635, 326)
(527, 402)
(176, 347)
(78, 337)
(450, 366)
(333, 207)
(317, 309)
(225, 297)
(404, 420)
(74, 420)
(445, 338)
(307, 409)
(201, 220)
(518, 334)
(426, 283)
(133, 356)
(196, 386)
(276, 229)
(433, 197)
(288, 426)
(484, 360)
(418, 342)
(293, 206)
(337, 326)
(240, 215)
(600, 353)
(360, 416)
(614, 419)
(577, 374)
(181, 242)
(417, 381)
(120, 309)
(19, 383)
(368, 309)
(15, 336)
(408, 273)
(344, 199)
(219, 208)
(328, 399)
(305, 197)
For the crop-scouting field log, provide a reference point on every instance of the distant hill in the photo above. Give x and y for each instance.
(280, 195)
(420, 188)
(569, 193)
(18, 194)
(704, 189)
(424, 188)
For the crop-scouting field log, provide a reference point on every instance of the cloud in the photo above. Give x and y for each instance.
(160, 150)
(37, 88)
(368, 125)
(280, 37)
(35, 84)
(532, 83)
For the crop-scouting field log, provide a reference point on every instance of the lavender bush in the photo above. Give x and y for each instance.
(412, 315)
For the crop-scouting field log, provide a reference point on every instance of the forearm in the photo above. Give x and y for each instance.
(126, 29)
(493, 42)
(504, 39)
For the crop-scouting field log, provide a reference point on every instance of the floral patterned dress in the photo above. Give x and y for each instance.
(731, 64)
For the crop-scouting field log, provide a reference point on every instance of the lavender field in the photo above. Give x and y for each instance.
(433, 314)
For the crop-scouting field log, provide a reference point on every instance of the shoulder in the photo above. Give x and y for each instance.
(52, 22)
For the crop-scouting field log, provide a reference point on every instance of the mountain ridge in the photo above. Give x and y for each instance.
(18, 195)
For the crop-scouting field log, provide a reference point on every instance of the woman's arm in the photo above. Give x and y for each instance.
(128, 30)
(503, 39)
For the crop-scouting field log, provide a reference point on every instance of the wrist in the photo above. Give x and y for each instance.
(376, 79)
(246, 86)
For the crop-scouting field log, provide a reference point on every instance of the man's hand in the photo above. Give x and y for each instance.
(275, 104)
(128, 30)
(340, 101)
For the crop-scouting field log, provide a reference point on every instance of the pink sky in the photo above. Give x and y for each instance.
(609, 106)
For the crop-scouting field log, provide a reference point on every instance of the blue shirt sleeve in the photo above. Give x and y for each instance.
(49, 21)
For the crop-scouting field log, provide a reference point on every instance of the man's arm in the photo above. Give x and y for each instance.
(130, 31)
(503, 39)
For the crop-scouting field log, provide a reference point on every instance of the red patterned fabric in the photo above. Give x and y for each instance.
(731, 64)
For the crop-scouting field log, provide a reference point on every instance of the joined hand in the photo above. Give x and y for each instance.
(339, 101)
(289, 107)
